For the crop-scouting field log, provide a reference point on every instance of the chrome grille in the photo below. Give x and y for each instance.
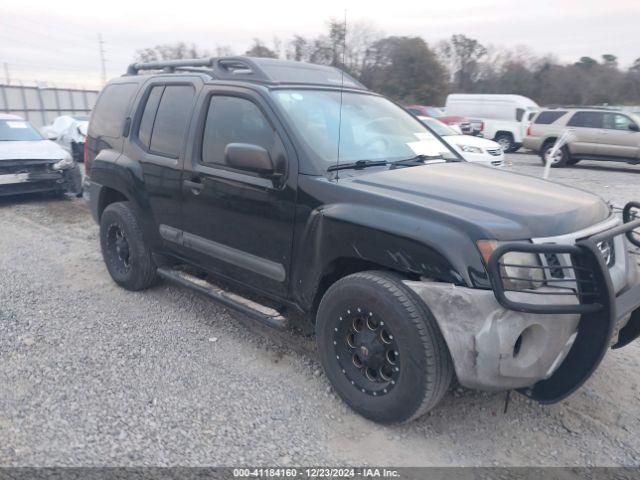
(608, 252)
(496, 152)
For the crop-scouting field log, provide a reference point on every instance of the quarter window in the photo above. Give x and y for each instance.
(110, 112)
(547, 118)
(234, 120)
(171, 120)
(586, 119)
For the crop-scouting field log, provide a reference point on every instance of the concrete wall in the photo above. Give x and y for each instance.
(40, 105)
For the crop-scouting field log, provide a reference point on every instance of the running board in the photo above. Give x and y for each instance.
(256, 311)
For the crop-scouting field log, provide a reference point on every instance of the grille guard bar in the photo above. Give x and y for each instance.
(599, 315)
(587, 264)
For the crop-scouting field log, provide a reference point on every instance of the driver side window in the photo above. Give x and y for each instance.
(616, 121)
(235, 120)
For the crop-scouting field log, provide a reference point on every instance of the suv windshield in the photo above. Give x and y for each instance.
(17, 131)
(371, 127)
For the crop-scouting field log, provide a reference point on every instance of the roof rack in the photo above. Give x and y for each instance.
(223, 68)
(262, 70)
(584, 107)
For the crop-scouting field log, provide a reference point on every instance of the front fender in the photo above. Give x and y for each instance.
(388, 239)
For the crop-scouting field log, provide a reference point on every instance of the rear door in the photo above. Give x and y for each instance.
(619, 139)
(158, 141)
(586, 132)
(236, 223)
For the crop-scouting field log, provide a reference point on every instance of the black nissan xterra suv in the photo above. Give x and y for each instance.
(286, 190)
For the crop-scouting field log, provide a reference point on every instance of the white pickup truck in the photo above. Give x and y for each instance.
(503, 118)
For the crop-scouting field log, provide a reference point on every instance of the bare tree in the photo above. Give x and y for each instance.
(463, 55)
(173, 51)
(260, 50)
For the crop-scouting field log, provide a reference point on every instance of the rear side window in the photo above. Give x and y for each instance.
(111, 110)
(586, 119)
(171, 120)
(149, 115)
(234, 120)
(547, 118)
(519, 114)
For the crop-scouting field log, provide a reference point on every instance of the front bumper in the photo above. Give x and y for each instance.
(494, 348)
(545, 343)
(32, 176)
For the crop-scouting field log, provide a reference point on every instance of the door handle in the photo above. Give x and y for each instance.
(195, 185)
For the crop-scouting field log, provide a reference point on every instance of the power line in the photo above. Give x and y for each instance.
(103, 62)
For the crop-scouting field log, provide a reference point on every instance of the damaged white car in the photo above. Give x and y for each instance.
(29, 163)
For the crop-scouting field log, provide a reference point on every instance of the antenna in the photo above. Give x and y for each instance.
(344, 49)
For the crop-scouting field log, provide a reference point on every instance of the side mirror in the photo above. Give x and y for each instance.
(634, 127)
(252, 158)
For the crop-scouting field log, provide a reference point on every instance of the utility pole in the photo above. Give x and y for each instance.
(6, 73)
(103, 62)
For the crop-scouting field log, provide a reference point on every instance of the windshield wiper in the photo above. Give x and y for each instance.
(357, 165)
(423, 160)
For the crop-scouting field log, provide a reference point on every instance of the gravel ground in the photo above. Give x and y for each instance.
(92, 375)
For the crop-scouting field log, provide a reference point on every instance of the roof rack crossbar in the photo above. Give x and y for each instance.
(222, 68)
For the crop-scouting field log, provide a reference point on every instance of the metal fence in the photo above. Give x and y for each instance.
(40, 105)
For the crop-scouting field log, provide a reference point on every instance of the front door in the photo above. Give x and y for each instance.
(236, 223)
(619, 139)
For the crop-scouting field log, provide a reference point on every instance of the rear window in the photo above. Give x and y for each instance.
(586, 119)
(171, 120)
(547, 118)
(111, 110)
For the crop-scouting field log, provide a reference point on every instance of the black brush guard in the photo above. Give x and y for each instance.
(595, 301)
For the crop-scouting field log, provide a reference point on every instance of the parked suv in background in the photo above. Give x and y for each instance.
(591, 134)
(291, 193)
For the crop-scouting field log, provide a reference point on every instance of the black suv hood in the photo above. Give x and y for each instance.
(491, 202)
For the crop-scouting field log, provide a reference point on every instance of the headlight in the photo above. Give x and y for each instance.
(520, 270)
(66, 162)
(517, 267)
(469, 149)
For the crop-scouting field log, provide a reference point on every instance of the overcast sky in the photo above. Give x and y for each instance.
(56, 41)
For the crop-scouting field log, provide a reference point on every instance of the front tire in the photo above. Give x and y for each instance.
(381, 348)
(124, 251)
(562, 157)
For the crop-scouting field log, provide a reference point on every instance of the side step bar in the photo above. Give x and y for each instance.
(256, 311)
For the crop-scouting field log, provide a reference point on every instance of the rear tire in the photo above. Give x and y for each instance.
(124, 251)
(381, 348)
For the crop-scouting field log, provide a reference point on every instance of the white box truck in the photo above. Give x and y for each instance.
(504, 118)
